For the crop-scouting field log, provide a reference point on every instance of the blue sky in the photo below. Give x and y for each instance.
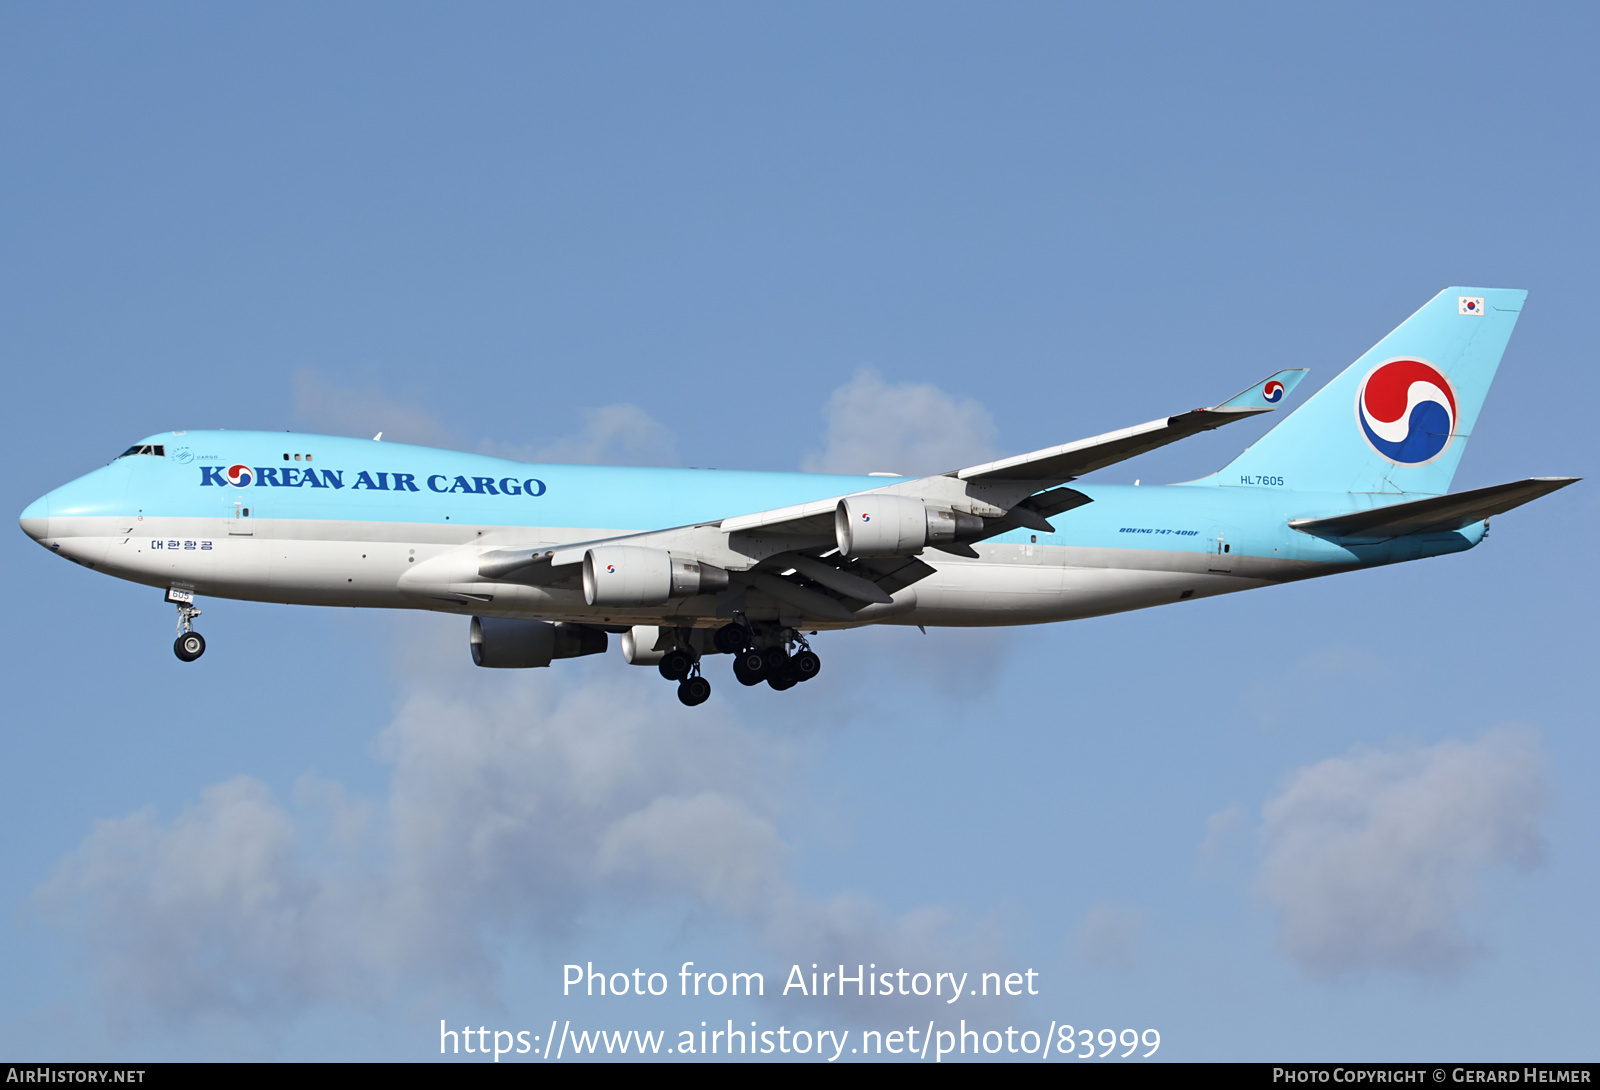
(1346, 819)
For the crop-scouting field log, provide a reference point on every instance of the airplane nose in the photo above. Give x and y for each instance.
(36, 519)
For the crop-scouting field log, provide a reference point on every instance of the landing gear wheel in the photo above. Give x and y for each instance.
(777, 658)
(783, 679)
(675, 665)
(742, 672)
(752, 663)
(189, 646)
(805, 665)
(694, 691)
(730, 639)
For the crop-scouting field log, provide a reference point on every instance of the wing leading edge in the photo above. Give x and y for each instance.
(1045, 468)
(1070, 460)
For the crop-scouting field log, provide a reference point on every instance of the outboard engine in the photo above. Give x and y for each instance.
(879, 525)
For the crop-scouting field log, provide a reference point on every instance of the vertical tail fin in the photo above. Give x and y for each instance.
(1398, 419)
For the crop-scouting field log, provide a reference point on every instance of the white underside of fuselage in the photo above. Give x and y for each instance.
(390, 565)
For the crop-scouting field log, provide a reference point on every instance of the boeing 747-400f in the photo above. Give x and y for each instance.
(548, 561)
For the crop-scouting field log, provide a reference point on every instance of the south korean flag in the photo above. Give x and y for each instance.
(1470, 304)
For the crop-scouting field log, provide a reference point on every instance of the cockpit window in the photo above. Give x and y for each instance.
(157, 449)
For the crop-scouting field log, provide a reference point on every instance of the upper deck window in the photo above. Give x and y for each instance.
(157, 449)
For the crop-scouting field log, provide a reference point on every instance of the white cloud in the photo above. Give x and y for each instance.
(1222, 828)
(1109, 936)
(516, 804)
(708, 843)
(611, 434)
(216, 888)
(1371, 859)
(364, 411)
(908, 428)
(615, 435)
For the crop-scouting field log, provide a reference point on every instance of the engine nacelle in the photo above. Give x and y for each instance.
(691, 577)
(639, 645)
(878, 525)
(627, 575)
(506, 643)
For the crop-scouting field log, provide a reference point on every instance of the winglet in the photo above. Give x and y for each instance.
(1269, 393)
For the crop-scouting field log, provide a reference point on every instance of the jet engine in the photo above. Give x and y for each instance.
(627, 575)
(639, 645)
(878, 525)
(506, 643)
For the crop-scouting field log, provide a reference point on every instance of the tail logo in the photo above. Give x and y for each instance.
(240, 476)
(1272, 392)
(1407, 411)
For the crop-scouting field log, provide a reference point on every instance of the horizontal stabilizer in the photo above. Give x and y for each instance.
(1436, 514)
(1070, 460)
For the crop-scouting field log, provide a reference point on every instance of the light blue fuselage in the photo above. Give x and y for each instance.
(362, 523)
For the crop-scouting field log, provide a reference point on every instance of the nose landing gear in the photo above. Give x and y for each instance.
(189, 645)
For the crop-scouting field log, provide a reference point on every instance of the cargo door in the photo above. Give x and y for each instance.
(1221, 544)
(241, 516)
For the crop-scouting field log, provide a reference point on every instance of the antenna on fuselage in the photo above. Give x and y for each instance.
(378, 437)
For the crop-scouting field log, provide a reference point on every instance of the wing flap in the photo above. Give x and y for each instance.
(840, 582)
(806, 600)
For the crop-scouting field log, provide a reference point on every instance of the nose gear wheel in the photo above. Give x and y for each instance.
(189, 645)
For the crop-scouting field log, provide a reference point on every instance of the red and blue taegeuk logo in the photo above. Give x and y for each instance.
(240, 476)
(1407, 411)
(1272, 392)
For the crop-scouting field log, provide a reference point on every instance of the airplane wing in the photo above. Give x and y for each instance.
(789, 552)
(1052, 465)
(1070, 460)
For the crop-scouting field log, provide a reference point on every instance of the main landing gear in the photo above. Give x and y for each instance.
(774, 663)
(189, 645)
(761, 652)
(684, 668)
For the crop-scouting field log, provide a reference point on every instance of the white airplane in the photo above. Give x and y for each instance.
(682, 563)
